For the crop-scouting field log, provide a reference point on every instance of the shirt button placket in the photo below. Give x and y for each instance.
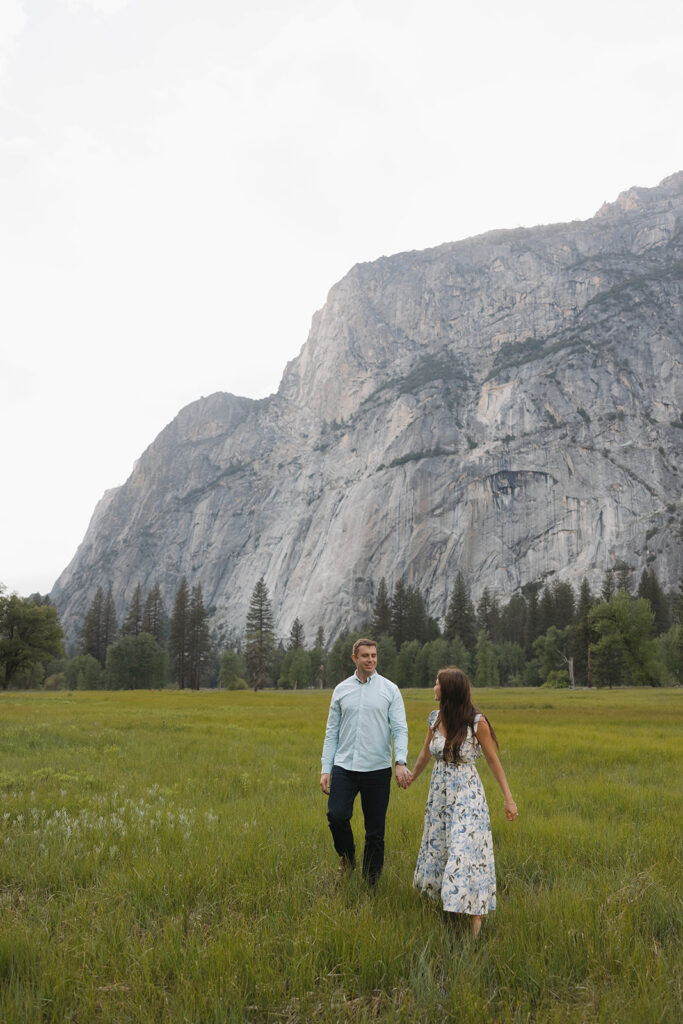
(358, 726)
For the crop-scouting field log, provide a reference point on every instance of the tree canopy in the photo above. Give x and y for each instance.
(30, 635)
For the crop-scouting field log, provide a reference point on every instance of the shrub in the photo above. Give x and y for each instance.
(558, 679)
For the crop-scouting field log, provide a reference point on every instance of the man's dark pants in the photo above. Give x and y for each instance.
(374, 788)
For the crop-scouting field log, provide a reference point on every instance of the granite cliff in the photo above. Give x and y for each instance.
(508, 405)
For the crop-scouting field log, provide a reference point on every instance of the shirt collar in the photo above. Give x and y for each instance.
(368, 680)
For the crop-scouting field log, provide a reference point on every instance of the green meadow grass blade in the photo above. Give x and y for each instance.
(165, 857)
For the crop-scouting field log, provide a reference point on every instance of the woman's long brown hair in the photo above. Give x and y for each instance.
(456, 711)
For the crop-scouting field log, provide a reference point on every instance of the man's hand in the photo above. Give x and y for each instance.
(403, 776)
(325, 779)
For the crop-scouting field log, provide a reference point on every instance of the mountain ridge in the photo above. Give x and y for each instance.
(507, 404)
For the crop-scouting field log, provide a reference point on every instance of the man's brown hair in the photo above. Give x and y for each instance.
(362, 643)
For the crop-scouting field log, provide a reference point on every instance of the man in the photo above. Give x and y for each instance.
(366, 713)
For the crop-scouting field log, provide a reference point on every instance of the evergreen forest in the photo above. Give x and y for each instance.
(547, 635)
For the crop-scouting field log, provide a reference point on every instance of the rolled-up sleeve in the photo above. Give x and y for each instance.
(399, 727)
(331, 736)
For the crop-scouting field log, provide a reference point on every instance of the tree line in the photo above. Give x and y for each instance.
(151, 648)
(546, 635)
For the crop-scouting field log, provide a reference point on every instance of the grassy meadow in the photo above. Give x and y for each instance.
(165, 856)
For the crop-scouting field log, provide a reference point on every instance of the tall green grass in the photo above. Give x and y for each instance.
(165, 857)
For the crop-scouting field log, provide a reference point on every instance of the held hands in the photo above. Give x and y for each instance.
(403, 779)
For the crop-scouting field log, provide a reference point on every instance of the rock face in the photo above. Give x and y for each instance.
(508, 405)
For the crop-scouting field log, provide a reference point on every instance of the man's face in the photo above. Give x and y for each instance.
(366, 659)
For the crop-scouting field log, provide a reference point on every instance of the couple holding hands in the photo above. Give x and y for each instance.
(455, 862)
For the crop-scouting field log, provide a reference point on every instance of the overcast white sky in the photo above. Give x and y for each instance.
(182, 181)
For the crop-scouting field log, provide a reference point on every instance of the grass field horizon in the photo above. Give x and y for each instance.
(164, 856)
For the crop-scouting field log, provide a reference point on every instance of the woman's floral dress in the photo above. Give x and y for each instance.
(455, 862)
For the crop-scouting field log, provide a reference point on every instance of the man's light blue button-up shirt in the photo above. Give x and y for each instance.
(363, 720)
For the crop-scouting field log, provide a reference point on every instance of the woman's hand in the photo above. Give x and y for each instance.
(510, 809)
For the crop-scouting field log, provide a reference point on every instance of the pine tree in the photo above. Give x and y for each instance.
(437, 655)
(608, 589)
(198, 639)
(624, 577)
(178, 636)
(404, 664)
(564, 604)
(556, 607)
(650, 588)
(260, 636)
(511, 662)
(678, 618)
(380, 624)
(488, 613)
(494, 620)
(460, 617)
(532, 630)
(99, 626)
(399, 613)
(416, 616)
(546, 611)
(432, 630)
(297, 637)
(582, 633)
(132, 625)
(513, 620)
(318, 659)
(296, 669)
(586, 599)
(91, 632)
(386, 656)
(109, 624)
(459, 655)
(339, 663)
(135, 662)
(279, 655)
(154, 616)
(486, 671)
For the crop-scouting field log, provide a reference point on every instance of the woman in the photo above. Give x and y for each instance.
(455, 862)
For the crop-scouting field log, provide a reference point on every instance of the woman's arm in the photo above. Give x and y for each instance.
(423, 757)
(488, 746)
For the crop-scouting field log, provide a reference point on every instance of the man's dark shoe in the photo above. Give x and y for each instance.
(345, 868)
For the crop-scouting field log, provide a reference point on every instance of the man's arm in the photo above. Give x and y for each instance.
(331, 743)
(399, 733)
